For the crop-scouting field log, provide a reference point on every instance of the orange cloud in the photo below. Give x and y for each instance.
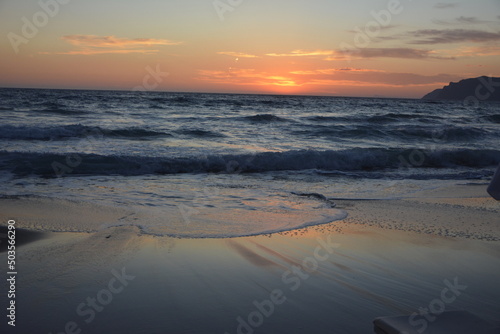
(303, 53)
(361, 83)
(237, 54)
(333, 70)
(92, 44)
(113, 42)
(95, 52)
(481, 51)
(374, 78)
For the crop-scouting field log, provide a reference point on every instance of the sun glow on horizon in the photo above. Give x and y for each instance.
(294, 48)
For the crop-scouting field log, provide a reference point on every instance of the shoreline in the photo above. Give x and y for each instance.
(451, 211)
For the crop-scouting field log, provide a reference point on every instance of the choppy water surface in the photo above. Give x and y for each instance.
(236, 164)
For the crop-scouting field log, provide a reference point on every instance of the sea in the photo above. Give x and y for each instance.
(227, 165)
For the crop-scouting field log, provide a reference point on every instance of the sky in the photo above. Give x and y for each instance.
(390, 48)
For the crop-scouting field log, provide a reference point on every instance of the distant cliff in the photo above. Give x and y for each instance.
(482, 88)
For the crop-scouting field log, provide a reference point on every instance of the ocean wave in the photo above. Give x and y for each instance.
(455, 133)
(72, 131)
(200, 133)
(350, 160)
(174, 100)
(394, 117)
(323, 119)
(135, 132)
(492, 118)
(61, 111)
(342, 131)
(278, 103)
(265, 118)
(397, 133)
(374, 103)
(41, 109)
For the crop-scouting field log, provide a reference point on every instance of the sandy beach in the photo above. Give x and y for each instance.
(388, 257)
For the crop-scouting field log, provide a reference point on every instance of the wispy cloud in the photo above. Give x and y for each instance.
(303, 53)
(436, 36)
(380, 27)
(114, 42)
(88, 52)
(446, 5)
(333, 70)
(403, 53)
(481, 51)
(462, 20)
(237, 54)
(329, 55)
(92, 45)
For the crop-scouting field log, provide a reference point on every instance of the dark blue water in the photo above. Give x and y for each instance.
(162, 150)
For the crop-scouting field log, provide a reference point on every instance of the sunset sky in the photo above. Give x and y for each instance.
(320, 47)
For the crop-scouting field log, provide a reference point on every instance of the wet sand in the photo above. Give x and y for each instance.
(384, 259)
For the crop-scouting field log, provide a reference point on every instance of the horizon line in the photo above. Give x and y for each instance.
(221, 93)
